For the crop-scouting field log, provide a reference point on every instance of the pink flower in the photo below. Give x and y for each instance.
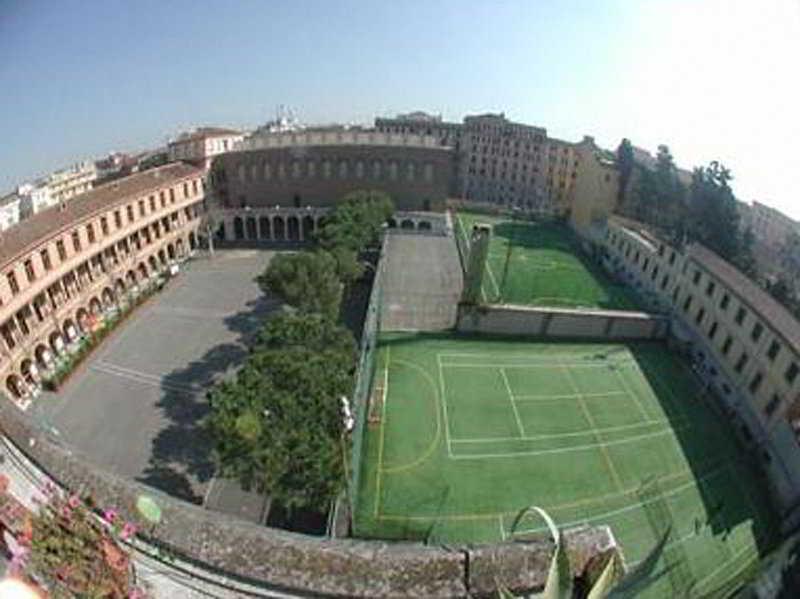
(128, 531)
(66, 512)
(110, 515)
(136, 593)
(74, 501)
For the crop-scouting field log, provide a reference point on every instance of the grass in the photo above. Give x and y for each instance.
(545, 267)
(473, 430)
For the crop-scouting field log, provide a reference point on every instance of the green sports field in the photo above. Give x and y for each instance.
(544, 267)
(466, 431)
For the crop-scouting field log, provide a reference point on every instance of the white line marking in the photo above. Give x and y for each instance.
(513, 454)
(723, 565)
(632, 395)
(570, 396)
(560, 435)
(513, 405)
(444, 408)
(528, 365)
(382, 435)
(502, 528)
(632, 506)
(145, 380)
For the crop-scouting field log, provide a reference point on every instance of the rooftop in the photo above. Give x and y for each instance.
(52, 221)
(205, 133)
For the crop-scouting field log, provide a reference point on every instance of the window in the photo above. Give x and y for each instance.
(696, 277)
(741, 362)
(757, 330)
(12, 283)
(152, 203)
(687, 303)
(90, 233)
(62, 251)
(117, 219)
(773, 350)
(194, 187)
(791, 373)
(162, 199)
(29, 270)
(141, 208)
(129, 210)
(672, 258)
(756, 382)
(45, 256)
(772, 405)
(726, 347)
(740, 314)
(76, 241)
(104, 225)
(664, 281)
(700, 313)
(723, 304)
(186, 187)
(712, 331)
(710, 288)
(171, 195)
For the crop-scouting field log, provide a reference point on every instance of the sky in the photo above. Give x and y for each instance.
(713, 80)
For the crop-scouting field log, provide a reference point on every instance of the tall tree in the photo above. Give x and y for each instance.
(306, 280)
(625, 165)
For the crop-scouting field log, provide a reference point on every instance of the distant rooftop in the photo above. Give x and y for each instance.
(205, 133)
(50, 222)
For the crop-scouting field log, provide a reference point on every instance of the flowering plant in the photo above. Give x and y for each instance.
(70, 551)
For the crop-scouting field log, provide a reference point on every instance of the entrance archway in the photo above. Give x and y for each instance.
(238, 228)
(264, 228)
(407, 224)
(278, 228)
(15, 386)
(294, 228)
(308, 227)
(251, 228)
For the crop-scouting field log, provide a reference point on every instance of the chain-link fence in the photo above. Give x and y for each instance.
(462, 241)
(364, 377)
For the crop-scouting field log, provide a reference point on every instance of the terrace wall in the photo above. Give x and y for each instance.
(216, 555)
(561, 323)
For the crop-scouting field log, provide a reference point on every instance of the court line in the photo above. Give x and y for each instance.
(444, 408)
(632, 395)
(513, 404)
(513, 454)
(633, 506)
(610, 429)
(436, 405)
(593, 425)
(535, 398)
(148, 380)
(725, 564)
(528, 365)
(383, 433)
(568, 505)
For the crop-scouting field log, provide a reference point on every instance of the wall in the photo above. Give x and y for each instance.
(217, 555)
(606, 325)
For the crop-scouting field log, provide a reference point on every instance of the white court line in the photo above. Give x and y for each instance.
(526, 355)
(563, 435)
(528, 365)
(722, 566)
(145, 376)
(151, 382)
(513, 404)
(512, 454)
(633, 506)
(632, 395)
(444, 408)
(502, 528)
(569, 396)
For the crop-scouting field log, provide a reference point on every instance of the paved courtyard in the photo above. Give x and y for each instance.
(134, 406)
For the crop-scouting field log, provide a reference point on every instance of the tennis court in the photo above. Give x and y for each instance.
(539, 264)
(464, 432)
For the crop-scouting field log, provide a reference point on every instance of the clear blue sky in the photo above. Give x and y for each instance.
(713, 80)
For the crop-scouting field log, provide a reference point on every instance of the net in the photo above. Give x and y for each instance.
(462, 242)
(364, 377)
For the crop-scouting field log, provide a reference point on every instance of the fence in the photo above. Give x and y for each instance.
(364, 377)
(462, 242)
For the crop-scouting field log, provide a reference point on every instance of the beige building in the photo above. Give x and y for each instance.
(199, 147)
(66, 268)
(9, 211)
(744, 344)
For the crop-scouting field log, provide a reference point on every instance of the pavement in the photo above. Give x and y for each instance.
(134, 406)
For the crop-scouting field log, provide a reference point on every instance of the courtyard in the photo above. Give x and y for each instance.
(134, 406)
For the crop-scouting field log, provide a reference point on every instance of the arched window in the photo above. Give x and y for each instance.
(393, 170)
(267, 171)
(360, 169)
(343, 169)
(311, 169)
(428, 172)
(410, 171)
(376, 169)
(326, 169)
(296, 169)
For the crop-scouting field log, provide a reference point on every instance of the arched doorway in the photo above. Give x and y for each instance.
(162, 257)
(308, 227)
(391, 223)
(30, 373)
(294, 228)
(264, 228)
(56, 342)
(192, 241)
(425, 225)
(95, 306)
(15, 386)
(107, 297)
(153, 265)
(179, 248)
(70, 332)
(238, 228)
(119, 287)
(221, 232)
(170, 251)
(130, 277)
(407, 224)
(251, 228)
(278, 229)
(43, 355)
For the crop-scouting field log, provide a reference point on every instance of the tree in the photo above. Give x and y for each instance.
(625, 165)
(306, 280)
(713, 218)
(310, 331)
(357, 221)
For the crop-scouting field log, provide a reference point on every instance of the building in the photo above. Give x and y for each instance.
(65, 268)
(594, 188)
(57, 187)
(517, 166)
(199, 147)
(9, 211)
(281, 183)
(744, 343)
(770, 227)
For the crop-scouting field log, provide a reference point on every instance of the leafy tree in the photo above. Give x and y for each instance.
(310, 331)
(625, 165)
(357, 220)
(713, 219)
(306, 280)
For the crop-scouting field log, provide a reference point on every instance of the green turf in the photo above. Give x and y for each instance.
(473, 430)
(544, 267)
